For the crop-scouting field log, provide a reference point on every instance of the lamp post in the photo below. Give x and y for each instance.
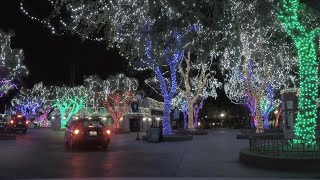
(222, 115)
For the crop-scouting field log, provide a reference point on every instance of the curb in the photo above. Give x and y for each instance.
(267, 161)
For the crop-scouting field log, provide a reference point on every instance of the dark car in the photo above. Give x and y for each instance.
(89, 132)
(17, 123)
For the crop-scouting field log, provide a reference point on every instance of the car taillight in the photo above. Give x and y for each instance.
(27, 122)
(108, 131)
(76, 131)
(11, 121)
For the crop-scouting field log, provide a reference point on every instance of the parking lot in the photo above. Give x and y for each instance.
(41, 154)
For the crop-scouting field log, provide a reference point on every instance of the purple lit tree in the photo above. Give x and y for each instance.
(11, 64)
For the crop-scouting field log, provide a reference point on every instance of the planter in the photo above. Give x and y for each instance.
(173, 138)
(191, 132)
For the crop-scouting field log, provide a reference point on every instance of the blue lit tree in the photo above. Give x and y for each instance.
(268, 104)
(31, 101)
(26, 103)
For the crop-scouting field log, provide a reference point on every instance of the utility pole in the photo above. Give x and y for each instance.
(72, 74)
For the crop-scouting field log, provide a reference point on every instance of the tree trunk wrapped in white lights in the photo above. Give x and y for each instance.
(197, 82)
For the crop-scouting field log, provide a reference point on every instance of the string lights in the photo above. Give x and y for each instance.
(11, 64)
(69, 101)
(197, 83)
(256, 59)
(117, 93)
(303, 37)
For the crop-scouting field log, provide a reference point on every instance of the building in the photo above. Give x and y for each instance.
(289, 108)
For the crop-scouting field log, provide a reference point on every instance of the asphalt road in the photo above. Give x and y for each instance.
(41, 154)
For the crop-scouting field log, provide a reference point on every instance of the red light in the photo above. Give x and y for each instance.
(76, 131)
(108, 131)
(11, 121)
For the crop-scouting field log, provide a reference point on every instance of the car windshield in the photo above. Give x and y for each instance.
(86, 123)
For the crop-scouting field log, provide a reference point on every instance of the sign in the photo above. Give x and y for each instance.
(135, 106)
(154, 135)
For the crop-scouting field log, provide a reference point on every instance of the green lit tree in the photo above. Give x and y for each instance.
(70, 101)
(295, 17)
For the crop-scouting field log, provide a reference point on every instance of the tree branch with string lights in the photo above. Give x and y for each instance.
(257, 60)
(69, 101)
(118, 92)
(26, 103)
(11, 64)
(197, 84)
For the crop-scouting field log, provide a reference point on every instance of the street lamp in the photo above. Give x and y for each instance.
(276, 112)
(222, 115)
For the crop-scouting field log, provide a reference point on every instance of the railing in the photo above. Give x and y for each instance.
(278, 146)
(141, 111)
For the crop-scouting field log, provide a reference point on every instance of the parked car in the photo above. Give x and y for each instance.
(86, 132)
(17, 123)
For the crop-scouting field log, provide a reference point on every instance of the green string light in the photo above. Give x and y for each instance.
(308, 71)
(69, 106)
